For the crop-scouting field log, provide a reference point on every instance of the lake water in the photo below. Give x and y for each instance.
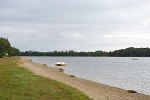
(122, 72)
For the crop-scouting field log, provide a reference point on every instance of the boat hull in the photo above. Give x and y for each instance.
(60, 64)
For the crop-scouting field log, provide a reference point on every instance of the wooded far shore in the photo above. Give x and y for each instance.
(127, 52)
(7, 50)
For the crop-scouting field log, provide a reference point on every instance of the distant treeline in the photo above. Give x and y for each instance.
(128, 52)
(6, 49)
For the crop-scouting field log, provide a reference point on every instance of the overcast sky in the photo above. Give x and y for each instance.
(79, 25)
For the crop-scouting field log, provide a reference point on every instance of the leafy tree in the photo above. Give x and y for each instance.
(5, 47)
(15, 51)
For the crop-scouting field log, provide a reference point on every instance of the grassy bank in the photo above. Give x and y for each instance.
(17, 83)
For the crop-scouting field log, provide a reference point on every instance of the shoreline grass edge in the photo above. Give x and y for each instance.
(18, 83)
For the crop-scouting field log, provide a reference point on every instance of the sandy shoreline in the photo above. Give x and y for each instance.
(94, 90)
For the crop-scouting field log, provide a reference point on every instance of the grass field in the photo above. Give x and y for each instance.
(17, 83)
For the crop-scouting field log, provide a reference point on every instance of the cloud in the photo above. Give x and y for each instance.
(77, 25)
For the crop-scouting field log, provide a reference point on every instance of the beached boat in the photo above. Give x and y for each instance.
(60, 64)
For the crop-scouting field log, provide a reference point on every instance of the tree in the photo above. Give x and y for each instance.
(15, 51)
(5, 47)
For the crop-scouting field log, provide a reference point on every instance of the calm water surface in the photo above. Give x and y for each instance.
(122, 72)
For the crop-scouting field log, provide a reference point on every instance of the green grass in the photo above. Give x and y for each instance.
(17, 83)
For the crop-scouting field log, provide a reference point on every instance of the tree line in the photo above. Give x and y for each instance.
(127, 52)
(6, 49)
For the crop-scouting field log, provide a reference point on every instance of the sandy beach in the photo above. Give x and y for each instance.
(94, 90)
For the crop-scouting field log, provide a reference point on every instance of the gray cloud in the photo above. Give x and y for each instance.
(75, 25)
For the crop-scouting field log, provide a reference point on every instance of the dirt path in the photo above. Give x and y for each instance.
(94, 90)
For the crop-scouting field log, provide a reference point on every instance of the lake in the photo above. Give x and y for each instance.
(122, 72)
